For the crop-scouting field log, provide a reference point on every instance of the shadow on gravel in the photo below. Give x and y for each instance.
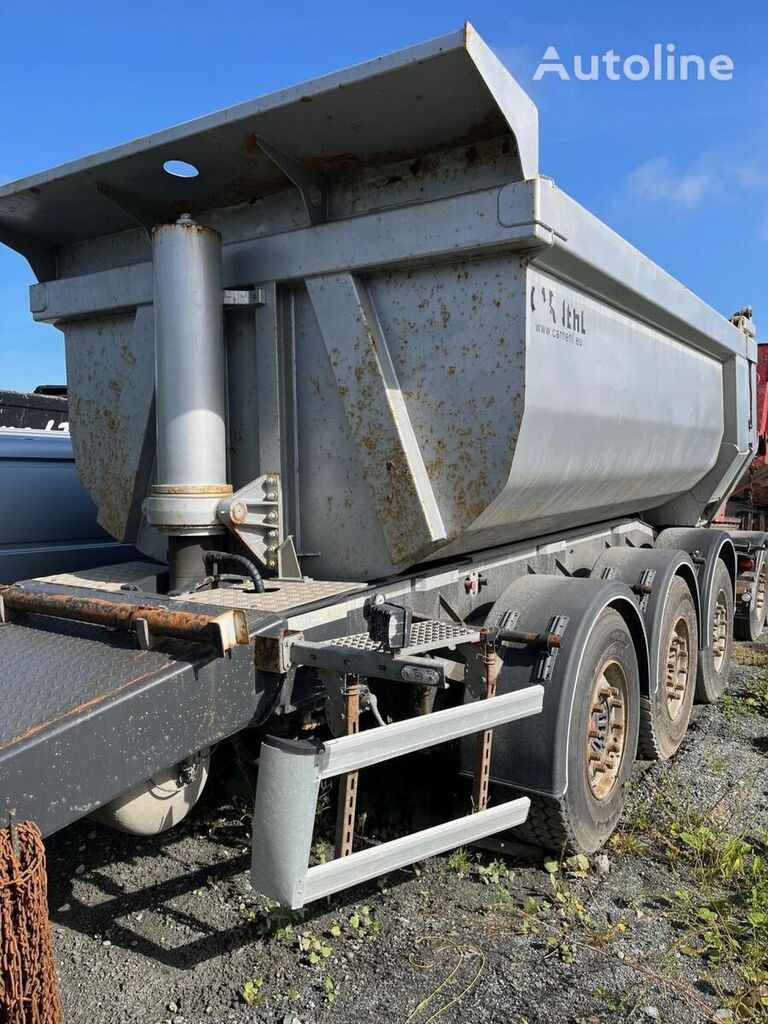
(109, 903)
(91, 855)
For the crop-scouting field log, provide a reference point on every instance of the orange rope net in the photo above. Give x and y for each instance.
(28, 990)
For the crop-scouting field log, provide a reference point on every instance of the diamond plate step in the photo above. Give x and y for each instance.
(428, 635)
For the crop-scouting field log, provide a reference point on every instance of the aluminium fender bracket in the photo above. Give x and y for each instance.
(749, 542)
(643, 588)
(548, 643)
(551, 647)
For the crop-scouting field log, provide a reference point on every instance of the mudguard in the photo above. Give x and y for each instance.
(704, 546)
(629, 565)
(532, 755)
(748, 541)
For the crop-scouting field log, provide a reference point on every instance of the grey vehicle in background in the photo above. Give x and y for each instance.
(47, 520)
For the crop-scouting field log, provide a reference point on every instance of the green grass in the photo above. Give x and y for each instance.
(747, 654)
(461, 861)
(721, 909)
(752, 700)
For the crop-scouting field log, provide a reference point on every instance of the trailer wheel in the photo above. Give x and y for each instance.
(602, 740)
(665, 714)
(750, 626)
(715, 660)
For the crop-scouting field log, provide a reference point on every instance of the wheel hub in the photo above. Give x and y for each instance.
(676, 677)
(606, 737)
(760, 593)
(720, 631)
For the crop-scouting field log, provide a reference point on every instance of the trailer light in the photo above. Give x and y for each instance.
(388, 624)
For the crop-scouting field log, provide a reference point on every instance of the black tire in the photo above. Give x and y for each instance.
(582, 821)
(750, 626)
(715, 660)
(665, 714)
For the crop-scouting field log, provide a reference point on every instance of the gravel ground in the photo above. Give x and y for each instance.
(168, 930)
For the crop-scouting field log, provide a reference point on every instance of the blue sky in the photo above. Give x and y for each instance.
(678, 168)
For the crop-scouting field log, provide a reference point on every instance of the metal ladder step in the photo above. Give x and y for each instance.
(324, 879)
(290, 773)
(360, 655)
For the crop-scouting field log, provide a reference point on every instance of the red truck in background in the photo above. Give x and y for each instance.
(746, 509)
(747, 505)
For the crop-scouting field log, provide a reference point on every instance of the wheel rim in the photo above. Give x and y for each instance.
(606, 734)
(677, 674)
(720, 630)
(760, 593)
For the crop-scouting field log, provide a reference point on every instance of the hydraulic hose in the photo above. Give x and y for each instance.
(249, 569)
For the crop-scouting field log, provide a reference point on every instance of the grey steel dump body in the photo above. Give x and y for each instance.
(441, 351)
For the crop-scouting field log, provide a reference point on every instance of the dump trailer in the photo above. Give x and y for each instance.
(429, 455)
